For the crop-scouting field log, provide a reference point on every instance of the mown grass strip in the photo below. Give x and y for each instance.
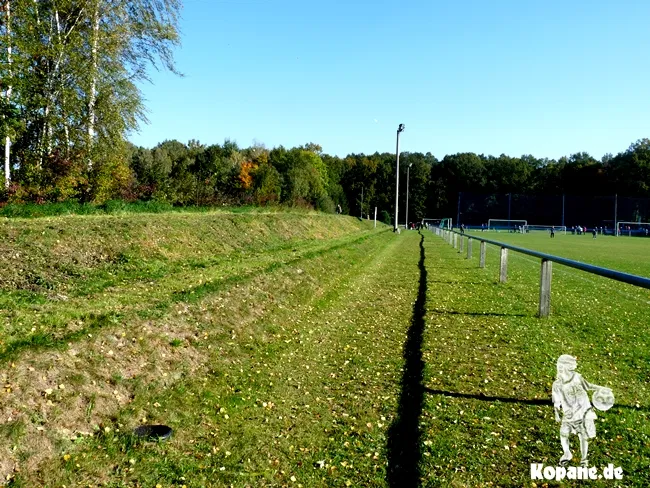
(404, 435)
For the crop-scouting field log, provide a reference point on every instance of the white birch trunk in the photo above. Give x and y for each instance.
(93, 84)
(8, 94)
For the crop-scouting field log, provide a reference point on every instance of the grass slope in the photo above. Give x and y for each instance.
(113, 314)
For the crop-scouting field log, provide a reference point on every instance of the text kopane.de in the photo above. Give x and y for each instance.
(540, 472)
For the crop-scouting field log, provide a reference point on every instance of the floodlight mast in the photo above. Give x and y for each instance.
(396, 229)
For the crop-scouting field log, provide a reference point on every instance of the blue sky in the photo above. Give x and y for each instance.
(547, 78)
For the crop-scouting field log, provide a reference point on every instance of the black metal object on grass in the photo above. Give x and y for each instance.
(153, 432)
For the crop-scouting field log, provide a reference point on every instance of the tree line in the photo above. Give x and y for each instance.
(199, 175)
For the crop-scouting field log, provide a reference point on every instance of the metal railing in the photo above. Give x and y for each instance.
(453, 237)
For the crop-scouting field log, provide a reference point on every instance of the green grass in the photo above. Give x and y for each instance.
(304, 351)
(491, 346)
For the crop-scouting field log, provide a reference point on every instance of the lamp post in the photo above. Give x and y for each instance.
(408, 177)
(399, 129)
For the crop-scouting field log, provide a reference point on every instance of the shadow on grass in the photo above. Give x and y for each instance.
(523, 401)
(460, 282)
(479, 314)
(404, 434)
(489, 398)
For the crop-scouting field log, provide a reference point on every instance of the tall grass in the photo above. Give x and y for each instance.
(34, 210)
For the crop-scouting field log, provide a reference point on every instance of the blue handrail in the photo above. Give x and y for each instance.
(589, 268)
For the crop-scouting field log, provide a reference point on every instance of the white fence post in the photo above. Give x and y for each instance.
(462, 244)
(545, 288)
(469, 248)
(503, 273)
(481, 263)
(455, 241)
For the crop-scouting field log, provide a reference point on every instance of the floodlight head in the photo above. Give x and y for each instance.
(401, 128)
(410, 165)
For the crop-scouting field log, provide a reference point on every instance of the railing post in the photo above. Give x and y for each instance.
(503, 268)
(545, 288)
(462, 244)
(481, 263)
(469, 248)
(455, 241)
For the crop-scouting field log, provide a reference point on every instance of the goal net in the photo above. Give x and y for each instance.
(507, 225)
(640, 229)
(545, 228)
(442, 223)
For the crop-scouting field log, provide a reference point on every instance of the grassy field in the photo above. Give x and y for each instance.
(629, 254)
(504, 360)
(300, 350)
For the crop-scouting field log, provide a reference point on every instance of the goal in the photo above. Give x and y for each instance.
(545, 228)
(640, 229)
(506, 224)
(442, 223)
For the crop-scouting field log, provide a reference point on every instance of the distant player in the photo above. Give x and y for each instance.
(593, 231)
(552, 232)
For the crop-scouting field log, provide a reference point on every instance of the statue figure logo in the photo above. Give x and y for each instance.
(578, 417)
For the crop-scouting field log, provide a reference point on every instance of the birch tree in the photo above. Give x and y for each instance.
(126, 37)
(69, 77)
(9, 41)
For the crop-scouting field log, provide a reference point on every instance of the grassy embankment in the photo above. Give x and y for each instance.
(100, 313)
(295, 350)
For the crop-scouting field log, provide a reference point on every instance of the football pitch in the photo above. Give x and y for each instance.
(623, 253)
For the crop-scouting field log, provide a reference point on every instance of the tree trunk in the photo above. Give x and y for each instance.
(93, 85)
(8, 94)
